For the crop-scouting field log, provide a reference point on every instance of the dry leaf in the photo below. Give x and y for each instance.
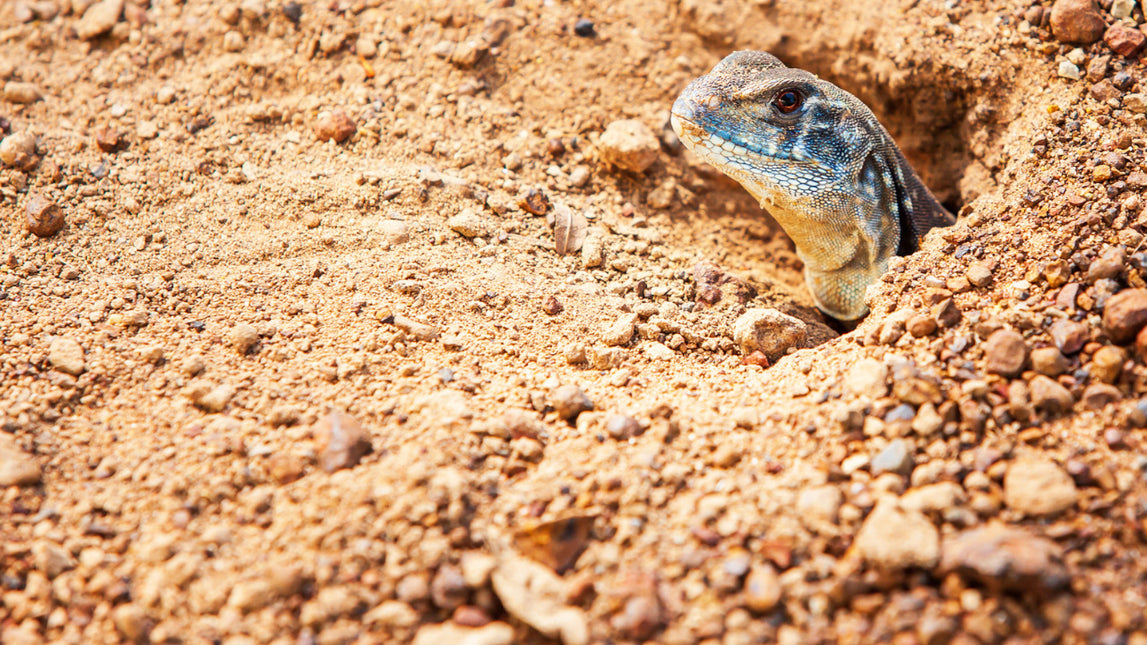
(569, 229)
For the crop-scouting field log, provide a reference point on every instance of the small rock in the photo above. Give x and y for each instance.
(1036, 486)
(1121, 9)
(894, 538)
(1069, 70)
(42, 217)
(979, 274)
(394, 232)
(1077, 22)
(243, 338)
(1124, 40)
(391, 614)
(1107, 363)
(17, 468)
(1136, 103)
(420, 331)
(1005, 558)
(934, 499)
(947, 314)
(22, 93)
(340, 441)
(19, 150)
(569, 401)
(468, 223)
(1100, 395)
(496, 633)
(1125, 314)
(762, 589)
(532, 593)
(1068, 336)
(584, 28)
(448, 587)
(819, 506)
(866, 378)
(334, 125)
(927, 421)
(1049, 396)
(1049, 361)
(620, 332)
(552, 306)
(99, 19)
(897, 458)
(622, 427)
(468, 52)
(66, 355)
(629, 144)
(770, 332)
(108, 139)
(920, 326)
(1005, 353)
(1108, 265)
(233, 41)
(131, 619)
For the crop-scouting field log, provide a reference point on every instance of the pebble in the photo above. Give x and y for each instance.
(1047, 395)
(340, 441)
(17, 468)
(448, 587)
(391, 614)
(1108, 265)
(99, 19)
(1069, 70)
(66, 355)
(866, 378)
(334, 125)
(1100, 395)
(131, 621)
(1005, 558)
(1049, 361)
(1068, 336)
(1077, 22)
(51, 559)
(622, 427)
(629, 144)
(1124, 40)
(934, 499)
(1035, 486)
(762, 588)
(979, 274)
(1107, 363)
(927, 421)
(894, 538)
(394, 232)
(243, 338)
(920, 326)
(769, 332)
(819, 506)
(19, 150)
(108, 139)
(22, 93)
(1125, 314)
(579, 176)
(584, 28)
(621, 331)
(42, 216)
(420, 331)
(897, 458)
(569, 401)
(496, 633)
(233, 41)
(1121, 9)
(468, 223)
(1005, 353)
(532, 593)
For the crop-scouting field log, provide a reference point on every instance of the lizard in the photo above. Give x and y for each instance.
(816, 158)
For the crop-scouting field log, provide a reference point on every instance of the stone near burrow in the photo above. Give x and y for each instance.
(1038, 487)
(569, 401)
(1005, 558)
(770, 332)
(42, 216)
(866, 378)
(620, 332)
(1077, 22)
(1123, 40)
(340, 441)
(334, 125)
(628, 144)
(468, 223)
(66, 355)
(1107, 363)
(1125, 314)
(1048, 396)
(1069, 336)
(19, 92)
(1005, 353)
(18, 150)
(894, 538)
(99, 19)
(1049, 361)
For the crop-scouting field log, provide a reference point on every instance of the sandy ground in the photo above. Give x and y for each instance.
(265, 386)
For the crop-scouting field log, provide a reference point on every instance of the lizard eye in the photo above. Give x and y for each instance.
(788, 101)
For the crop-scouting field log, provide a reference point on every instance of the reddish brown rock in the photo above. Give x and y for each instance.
(109, 139)
(1125, 314)
(1068, 336)
(42, 217)
(1077, 22)
(1124, 40)
(1003, 557)
(1005, 352)
(335, 125)
(341, 441)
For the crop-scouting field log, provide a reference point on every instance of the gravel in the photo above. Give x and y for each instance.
(630, 145)
(1038, 487)
(770, 332)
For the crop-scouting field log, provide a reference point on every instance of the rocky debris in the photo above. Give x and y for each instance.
(535, 595)
(1068, 336)
(109, 139)
(866, 377)
(819, 508)
(1049, 396)
(1005, 558)
(19, 150)
(496, 633)
(1077, 22)
(17, 468)
(340, 441)
(1124, 315)
(66, 355)
(21, 93)
(897, 457)
(394, 232)
(334, 125)
(769, 332)
(621, 331)
(42, 217)
(1107, 363)
(419, 331)
(468, 223)
(934, 499)
(99, 19)
(629, 144)
(1038, 487)
(210, 396)
(1099, 395)
(894, 538)
(762, 589)
(1049, 361)
(244, 338)
(1005, 353)
(569, 401)
(979, 274)
(712, 283)
(1123, 40)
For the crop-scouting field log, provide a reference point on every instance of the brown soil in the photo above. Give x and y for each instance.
(231, 280)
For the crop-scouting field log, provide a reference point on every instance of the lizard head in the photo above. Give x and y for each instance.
(782, 133)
